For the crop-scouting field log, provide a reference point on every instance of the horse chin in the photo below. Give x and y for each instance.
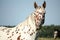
(42, 22)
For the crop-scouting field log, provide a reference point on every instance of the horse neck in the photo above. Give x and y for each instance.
(31, 19)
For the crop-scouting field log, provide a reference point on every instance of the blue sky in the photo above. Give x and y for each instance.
(13, 12)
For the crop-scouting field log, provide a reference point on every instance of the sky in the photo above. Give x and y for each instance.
(13, 12)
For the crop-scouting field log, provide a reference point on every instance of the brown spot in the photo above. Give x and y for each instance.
(12, 34)
(31, 34)
(16, 32)
(29, 29)
(8, 31)
(33, 31)
(3, 30)
(24, 32)
(18, 38)
(7, 34)
(19, 33)
(10, 39)
(23, 38)
(18, 29)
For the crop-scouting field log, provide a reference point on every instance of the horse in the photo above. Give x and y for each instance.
(56, 33)
(27, 29)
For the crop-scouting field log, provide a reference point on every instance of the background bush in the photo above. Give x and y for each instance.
(47, 30)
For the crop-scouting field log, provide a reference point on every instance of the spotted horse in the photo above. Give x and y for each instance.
(27, 29)
(56, 33)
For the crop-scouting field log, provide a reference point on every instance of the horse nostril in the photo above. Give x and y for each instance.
(43, 16)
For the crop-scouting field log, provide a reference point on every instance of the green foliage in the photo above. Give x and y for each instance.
(9, 26)
(48, 31)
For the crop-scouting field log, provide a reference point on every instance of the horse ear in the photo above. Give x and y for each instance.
(35, 5)
(44, 4)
